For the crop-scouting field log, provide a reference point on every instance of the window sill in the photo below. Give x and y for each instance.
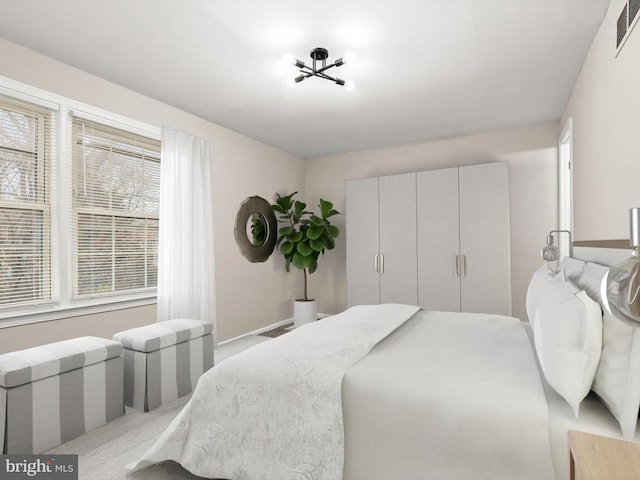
(49, 313)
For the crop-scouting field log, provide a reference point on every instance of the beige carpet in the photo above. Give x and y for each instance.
(104, 452)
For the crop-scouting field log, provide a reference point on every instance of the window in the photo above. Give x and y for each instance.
(27, 157)
(79, 218)
(115, 179)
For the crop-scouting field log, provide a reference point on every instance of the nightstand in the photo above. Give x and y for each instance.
(592, 457)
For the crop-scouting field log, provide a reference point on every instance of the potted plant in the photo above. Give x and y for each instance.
(302, 238)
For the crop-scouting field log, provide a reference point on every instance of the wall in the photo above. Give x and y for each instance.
(242, 167)
(605, 106)
(532, 156)
(251, 296)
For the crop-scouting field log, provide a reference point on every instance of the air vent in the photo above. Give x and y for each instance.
(634, 6)
(626, 21)
(622, 26)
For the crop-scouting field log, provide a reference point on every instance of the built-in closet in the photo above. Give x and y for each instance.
(438, 239)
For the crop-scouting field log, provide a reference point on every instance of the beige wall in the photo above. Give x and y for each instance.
(103, 324)
(249, 296)
(605, 106)
(532, 156)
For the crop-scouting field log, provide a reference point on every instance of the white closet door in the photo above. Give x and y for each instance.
(363, 282)
(398, 242)
(484, 238)
(438, 240)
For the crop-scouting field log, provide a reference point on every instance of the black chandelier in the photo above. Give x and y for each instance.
(319, 68)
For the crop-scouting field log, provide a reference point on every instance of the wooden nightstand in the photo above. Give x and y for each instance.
(592, 457)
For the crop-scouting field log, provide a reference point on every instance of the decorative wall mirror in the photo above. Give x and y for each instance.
(256, 229)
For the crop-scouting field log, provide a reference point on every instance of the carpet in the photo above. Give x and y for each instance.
(104, 452)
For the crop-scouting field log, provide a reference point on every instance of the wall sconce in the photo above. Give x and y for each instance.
(620, 288)
(550, 252)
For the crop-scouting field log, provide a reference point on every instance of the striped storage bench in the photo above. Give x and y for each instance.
(164, 360)
(56, 392)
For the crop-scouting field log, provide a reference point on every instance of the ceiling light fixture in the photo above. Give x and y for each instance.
(319, 67)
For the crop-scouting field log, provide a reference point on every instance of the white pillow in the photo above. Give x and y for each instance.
(568, 339)
(590, 280)
(617, 380)
(572, 268)
(539, 280)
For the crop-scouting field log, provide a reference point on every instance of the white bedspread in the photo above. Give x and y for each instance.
(447, 396)
(275, 410)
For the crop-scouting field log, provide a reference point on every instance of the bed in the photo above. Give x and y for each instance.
(382, 392)
(599, 413)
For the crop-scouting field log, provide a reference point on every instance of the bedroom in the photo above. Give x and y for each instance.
(601, 107)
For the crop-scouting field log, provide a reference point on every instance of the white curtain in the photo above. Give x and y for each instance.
(186, 267)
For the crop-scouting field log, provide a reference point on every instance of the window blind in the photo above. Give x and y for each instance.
(27, 165)
(115, 178)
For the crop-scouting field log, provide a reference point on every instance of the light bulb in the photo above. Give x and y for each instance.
(550, 252)
(288, 59)
(293, 80)
(620, 289)
(349, 85)
(348, 57)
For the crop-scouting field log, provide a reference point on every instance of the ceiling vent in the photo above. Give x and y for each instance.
(626, 21)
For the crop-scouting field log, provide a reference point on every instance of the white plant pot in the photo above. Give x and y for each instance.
(304, 312)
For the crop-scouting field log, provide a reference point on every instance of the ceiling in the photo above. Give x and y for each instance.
(422, 70)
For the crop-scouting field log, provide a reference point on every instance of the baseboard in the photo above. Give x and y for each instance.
(267, 328)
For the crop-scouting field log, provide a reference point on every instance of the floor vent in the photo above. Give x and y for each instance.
(626, 21)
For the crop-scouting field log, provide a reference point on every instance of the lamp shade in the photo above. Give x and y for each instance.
(620, 289)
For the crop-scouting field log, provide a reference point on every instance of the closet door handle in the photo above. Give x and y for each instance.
(376, 263)
(381, 263)
(464, 265)
(456, 265)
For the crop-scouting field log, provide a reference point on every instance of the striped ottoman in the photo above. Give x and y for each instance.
(164, 360)
(56, 392)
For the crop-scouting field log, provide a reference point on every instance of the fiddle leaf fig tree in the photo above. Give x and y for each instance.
(304, 235)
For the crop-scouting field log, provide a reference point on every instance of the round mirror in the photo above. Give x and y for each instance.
(256, 229)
